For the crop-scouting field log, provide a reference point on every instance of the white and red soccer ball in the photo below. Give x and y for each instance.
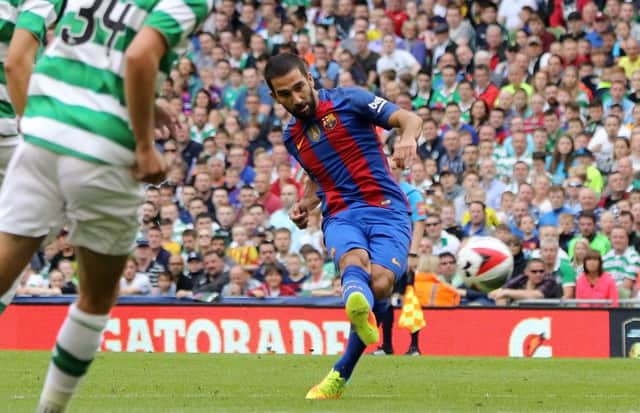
(484, 263)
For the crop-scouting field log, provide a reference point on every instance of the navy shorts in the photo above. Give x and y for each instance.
(385, 234)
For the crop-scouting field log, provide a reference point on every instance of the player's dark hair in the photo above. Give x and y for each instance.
(281, 64)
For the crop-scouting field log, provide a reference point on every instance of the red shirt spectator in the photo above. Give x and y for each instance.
(272, 286)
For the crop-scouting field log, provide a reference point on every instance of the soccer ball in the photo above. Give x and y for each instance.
(484, 263)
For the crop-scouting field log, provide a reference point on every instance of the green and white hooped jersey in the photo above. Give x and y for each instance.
(76, 100)
(34, 16)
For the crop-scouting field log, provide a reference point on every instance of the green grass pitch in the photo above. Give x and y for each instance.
(273, 383)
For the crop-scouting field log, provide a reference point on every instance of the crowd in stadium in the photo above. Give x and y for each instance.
(531, 133)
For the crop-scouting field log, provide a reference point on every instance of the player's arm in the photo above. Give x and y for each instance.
(20, 57)
(142, 61)
(410, 126)
(416, 238)
(309, 197)
(299, 212)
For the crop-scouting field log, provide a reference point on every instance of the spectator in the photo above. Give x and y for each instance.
(166, 287)
(441, 240)
(252, 82)
(580, 252)
(311, 235)
(477, 225)
(267, 256)
(242, 249)
(561, 269)
(272, 286)
(239, 283)
(158, 254)
(210, 277)
(533, 284)
(146, 262)
(401, 61)
(280, 218)
(587, 227)
(57, 282)
(297, 275)
(557, 201)
(134, 282)
(595, 282)
(282, 243)
(318, 283)
(519, 259)
(621, 262)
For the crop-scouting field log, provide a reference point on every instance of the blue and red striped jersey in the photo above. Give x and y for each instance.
(341, 152)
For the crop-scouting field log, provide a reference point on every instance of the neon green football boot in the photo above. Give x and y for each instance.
(330, 388)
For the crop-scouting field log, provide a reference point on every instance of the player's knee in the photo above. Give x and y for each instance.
(382, 281)
(357, 257)
(97, 303)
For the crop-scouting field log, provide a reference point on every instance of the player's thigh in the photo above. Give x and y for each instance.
(389, 240)
(31, 201)
(102, 203)
(343, 234)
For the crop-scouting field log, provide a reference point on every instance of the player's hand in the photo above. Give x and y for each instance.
(299, 214)
(149, 165)
(404, 152)
(165, 121)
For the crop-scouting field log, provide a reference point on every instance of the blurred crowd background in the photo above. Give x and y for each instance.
(531, 134)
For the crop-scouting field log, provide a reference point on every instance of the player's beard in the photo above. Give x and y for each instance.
(306, 110)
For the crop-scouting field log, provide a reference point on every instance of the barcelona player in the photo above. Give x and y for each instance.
(366, 218)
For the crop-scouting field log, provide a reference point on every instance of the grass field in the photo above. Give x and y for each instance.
(270, 383)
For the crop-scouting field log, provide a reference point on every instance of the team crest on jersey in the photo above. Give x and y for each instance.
(314, 133)
(329, 121)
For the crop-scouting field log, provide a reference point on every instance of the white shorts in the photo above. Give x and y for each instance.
(7, 147)
(99, 202)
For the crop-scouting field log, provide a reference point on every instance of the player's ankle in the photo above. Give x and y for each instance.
(52, 401)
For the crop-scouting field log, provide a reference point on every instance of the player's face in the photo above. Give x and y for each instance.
(295, 92)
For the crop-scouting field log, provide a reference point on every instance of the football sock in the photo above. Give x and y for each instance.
(346, 363)
(414, 339)
(356, 279)
(7, 297)
(384, 315)
(77, 343)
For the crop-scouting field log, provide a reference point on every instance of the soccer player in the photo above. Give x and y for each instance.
(88, 132)
(25, 26)
(366, 221)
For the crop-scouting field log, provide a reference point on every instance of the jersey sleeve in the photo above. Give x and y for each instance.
(176, 20)
(36, 16)
(373, 107)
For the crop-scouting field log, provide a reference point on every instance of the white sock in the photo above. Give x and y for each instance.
(7, 297)
(77, 343)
